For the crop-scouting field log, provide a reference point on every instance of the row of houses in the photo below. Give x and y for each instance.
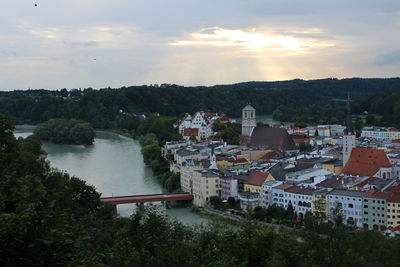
(368, 202)
(382, 133)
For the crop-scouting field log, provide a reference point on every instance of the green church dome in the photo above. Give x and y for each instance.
(248, 108)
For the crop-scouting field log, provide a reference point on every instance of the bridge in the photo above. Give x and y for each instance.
(147, 198)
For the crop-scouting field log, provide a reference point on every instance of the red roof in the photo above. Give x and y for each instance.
(283, 186)
(191, 131)
(394, 197)
(366, 161)
(232, 159)
(256, 178)
(373, 193)
(240, 160)
(393, 188)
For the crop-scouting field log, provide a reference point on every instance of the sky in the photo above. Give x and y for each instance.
(115, 43)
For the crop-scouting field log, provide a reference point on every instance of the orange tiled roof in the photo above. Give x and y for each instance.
(366, 161)
(256, 178)
(191, 131)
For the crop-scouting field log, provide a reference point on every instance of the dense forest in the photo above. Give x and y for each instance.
(48, 218)
(62, 131)
(296, 100)
(152, 134)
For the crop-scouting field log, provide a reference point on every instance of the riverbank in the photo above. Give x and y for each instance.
(114, 166)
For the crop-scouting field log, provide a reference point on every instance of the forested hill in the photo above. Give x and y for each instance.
(386, 104)
(294, 100)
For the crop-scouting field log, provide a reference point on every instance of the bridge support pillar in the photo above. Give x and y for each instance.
(141, 206)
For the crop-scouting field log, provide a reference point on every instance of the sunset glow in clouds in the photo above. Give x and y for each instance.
(78, 44)
(251, 40)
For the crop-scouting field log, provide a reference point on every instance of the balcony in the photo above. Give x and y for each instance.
(249, 200)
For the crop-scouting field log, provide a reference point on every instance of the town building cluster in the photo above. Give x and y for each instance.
(199, 125)
(354, 178)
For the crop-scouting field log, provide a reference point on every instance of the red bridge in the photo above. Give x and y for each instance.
(147, 198)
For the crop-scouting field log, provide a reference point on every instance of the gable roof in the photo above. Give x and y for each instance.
(271, 138)
(366, 161)
(256, 178)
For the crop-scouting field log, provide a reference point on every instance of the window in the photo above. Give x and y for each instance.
(351, 205)
(365, 206)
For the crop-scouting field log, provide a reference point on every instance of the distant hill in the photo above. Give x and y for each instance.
(294, 100)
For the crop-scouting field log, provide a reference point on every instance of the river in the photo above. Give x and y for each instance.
(114, 165)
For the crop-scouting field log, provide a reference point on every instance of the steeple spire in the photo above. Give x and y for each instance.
(213, 160)
(349, 124)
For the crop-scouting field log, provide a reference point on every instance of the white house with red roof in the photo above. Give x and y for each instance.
(201, 121)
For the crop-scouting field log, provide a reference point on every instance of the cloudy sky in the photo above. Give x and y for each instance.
(88, 43)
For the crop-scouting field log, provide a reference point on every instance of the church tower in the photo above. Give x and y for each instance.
(349, 137)
(248, 120)
(213, 160)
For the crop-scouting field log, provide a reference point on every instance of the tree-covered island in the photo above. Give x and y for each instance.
(63, 131)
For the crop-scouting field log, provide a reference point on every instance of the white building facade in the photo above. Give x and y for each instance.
(198, 121)
(267, 192)
(205, 185)
(348, 204)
